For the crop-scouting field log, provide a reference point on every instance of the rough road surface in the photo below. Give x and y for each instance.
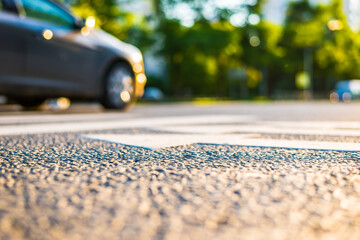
(64, 186)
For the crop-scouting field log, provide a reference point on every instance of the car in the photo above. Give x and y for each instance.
(47, 52)
(346, 91)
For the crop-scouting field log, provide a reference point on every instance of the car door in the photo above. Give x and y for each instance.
(12, 48)
(59, 59)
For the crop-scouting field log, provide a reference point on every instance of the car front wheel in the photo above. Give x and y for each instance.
(119, 87)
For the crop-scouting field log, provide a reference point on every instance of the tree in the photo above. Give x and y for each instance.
(108, 16)
(324, 30)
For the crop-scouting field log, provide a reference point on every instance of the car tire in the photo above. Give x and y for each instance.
(119, 88)
(346, 97)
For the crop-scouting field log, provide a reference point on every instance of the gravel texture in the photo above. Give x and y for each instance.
(59, 186)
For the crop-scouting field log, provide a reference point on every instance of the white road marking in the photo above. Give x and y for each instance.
(156, 141)
(210, 129)
(118, 124)
(314, 129)
(219, 134)
(316, 124)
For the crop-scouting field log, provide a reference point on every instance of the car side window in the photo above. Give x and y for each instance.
(8, 6)
(47, 11)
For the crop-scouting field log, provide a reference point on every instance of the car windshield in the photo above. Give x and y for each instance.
(8, 6)
(46, 11)
(342, 85)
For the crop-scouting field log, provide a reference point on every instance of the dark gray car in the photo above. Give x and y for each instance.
(46, 52)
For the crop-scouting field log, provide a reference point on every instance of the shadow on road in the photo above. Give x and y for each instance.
(11, 109)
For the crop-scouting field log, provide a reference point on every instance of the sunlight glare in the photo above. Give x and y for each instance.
(125, 96)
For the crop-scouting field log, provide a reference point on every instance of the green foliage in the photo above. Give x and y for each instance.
(335, 48)
(199, 56)
(109, 16)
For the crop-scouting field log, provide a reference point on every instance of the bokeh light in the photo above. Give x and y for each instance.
(335, 25)
(90, 22)
(48, 34)
(254, 41)
(125, 96)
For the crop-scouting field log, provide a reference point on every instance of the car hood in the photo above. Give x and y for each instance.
(107, 41)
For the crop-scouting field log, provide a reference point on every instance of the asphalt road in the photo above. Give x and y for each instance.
(181, 171)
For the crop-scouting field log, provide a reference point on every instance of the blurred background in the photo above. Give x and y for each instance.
(243, 49)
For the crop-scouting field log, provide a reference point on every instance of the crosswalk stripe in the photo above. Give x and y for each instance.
(156, 141)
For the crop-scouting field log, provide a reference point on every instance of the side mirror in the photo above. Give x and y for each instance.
(79, 23)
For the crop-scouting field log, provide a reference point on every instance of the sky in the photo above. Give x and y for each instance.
(275, 10)
(353, 13)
